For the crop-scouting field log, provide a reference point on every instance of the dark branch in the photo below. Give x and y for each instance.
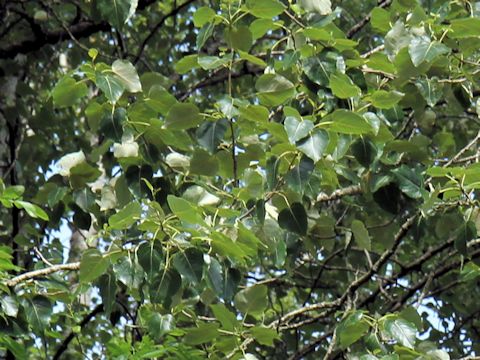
(174, 12)
(42, 37)
(359, 26)
(64, 345)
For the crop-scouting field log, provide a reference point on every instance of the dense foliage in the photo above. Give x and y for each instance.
(239, 179)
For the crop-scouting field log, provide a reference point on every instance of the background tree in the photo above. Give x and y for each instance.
(240, 179)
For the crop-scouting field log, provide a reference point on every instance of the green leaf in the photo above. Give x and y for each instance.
(185, 211)
(382, 99)
(225, 246)
(203, 163)
(186, 64)
(466, 233)
(82, 174)
(157, 324)
(274, 89)
(201, 335)
(314, 145)
(204, 34)
(9, 305)
(17, 348)
(323, 7)
(253, 59)
(126, 217)
(260, 27)
(160, 99)
(183, 116)
(379, 61)
(265, 8)
(318, 69)
(210, 134)
(202, 16)
(127, 75)
(364, 151)
(470, 272)
(465, 28)
(422, 49)
(361, 235)
(297, 178)
(239, 38)
(297, 130)
(252, 300)
(92, 265)
(150, 257)
(38, 312)
(255, 113)
(214, 276)
(107, 285)
(396, 39)
(347, 122)
(409, 181)
(431, 90)
(111, 86)
(226, 317)
(212, 62)
(117, 12)
(318, 34)
(14, 192)
(400, 330)
(264, 335)
(129, 272)
(351, 329)
(68, 91)
(342, 86)
(380, 19)
(164, 286)
(189, 264)
(294, 219)
(32, 209)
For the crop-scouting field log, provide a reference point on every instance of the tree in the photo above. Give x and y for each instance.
(240, 179)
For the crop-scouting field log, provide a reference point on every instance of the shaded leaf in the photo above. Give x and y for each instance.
(183, 116)
(361, 235)
(189, 264)
(252, 300)
(294, 219)
(351, 329)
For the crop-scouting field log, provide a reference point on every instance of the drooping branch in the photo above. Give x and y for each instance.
(436, 274)
(359, 26)
(41, 37)
(64, 345)
(174, 12)
(45, 37)
(42, 272)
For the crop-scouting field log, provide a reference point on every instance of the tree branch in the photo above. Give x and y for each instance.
(174, 12)
(359, 26)
(44, 37)
(337, 194)
(64, 345)
(41, 272)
